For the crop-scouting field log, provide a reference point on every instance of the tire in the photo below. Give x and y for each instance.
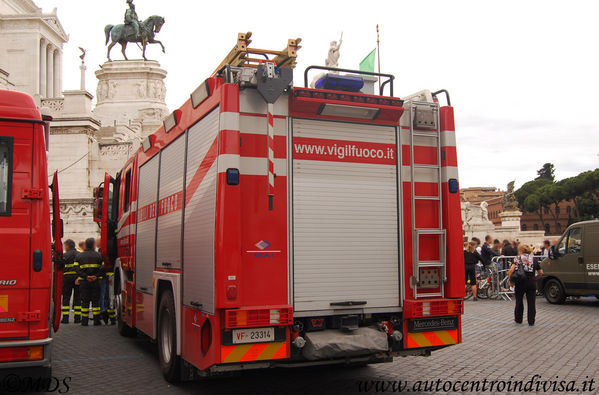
(483, 291)
(167, 338)
(554, 292)
(124, 329)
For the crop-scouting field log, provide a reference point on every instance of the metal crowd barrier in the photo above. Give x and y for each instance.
(501, 287)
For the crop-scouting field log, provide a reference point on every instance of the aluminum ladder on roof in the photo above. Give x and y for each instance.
(425, 123)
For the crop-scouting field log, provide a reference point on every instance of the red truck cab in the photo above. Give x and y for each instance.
(28, 302)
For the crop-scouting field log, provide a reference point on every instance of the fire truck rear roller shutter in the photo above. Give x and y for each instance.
(200, 211)
(170, 204)
(345, 222)
(146, 224)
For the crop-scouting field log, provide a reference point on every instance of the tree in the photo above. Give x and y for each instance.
(547, 172)
(530, 200)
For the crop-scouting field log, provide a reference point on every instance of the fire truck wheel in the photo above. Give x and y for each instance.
(167, 338)
(554, 292)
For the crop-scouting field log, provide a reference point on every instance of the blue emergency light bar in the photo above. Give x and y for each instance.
(340, 82)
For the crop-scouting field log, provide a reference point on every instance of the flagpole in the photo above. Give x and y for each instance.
(378, 52)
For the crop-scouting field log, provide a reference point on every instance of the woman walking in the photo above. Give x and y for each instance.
(527, 285)
(471, 258)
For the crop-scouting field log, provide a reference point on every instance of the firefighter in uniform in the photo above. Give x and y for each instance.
(90, 271)
(68, 283)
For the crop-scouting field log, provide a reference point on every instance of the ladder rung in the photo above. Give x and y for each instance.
(436, 294)
(431, 264)
(429, 231)
(423, 134)
(419, 166)
(426, 197)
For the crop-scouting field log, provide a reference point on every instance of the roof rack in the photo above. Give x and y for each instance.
(238, 56)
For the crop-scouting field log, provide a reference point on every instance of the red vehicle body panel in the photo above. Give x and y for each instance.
(27, 270)
(244, 218)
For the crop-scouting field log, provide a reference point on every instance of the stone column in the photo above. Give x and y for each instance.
(50, 72)
(57, 73)
(43, 59)
(82, 68)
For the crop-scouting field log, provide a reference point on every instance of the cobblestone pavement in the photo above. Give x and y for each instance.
(563, 343)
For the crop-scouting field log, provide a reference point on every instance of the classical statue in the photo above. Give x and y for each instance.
(333, 56)
(484, 212)
(509, 202)
(82, 56)
(134, 31)
(131, 18)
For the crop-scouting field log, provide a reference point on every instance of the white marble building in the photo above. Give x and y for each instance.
(31, 48)
(85, 142)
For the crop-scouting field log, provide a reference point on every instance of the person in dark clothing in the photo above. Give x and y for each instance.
(68, 283)
(471, 258)
(90, 270)
(487, 252)
(507, 250)
(527, 286)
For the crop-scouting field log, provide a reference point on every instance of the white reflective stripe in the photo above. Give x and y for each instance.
(229, 121)
(429, 175)
(228, 161)
(250, 166)
(259, 125)
(420, 174)
(124, 231)
(422, 141)
(448, 138)
(449, 172)
(123, 218)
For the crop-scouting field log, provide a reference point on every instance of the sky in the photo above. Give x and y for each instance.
(522, 75)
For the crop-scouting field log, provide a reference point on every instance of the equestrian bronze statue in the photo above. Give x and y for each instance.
(134, 31)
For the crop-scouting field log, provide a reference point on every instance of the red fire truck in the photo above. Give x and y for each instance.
(30, 288)
(266, 224)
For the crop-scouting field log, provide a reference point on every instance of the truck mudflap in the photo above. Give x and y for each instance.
(334, 343)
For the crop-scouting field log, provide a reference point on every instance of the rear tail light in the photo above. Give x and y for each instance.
(11, 354)
(258, 317)
(433, 308)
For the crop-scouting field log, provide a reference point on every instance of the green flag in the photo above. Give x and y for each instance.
(367, 64)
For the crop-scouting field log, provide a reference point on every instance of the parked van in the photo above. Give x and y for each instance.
(573, 266)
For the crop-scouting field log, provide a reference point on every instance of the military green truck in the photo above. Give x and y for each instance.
(572, 268)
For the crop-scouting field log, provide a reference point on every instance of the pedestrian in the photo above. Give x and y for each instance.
(526, 286)
(471, 258)
(508, 251)
(68, 283)
(476, 240)
(81, 246)
(90, 271)
(487, 252)
(545, 249)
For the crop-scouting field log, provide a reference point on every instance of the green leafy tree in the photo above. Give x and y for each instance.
(547, 171)
(530, 200)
